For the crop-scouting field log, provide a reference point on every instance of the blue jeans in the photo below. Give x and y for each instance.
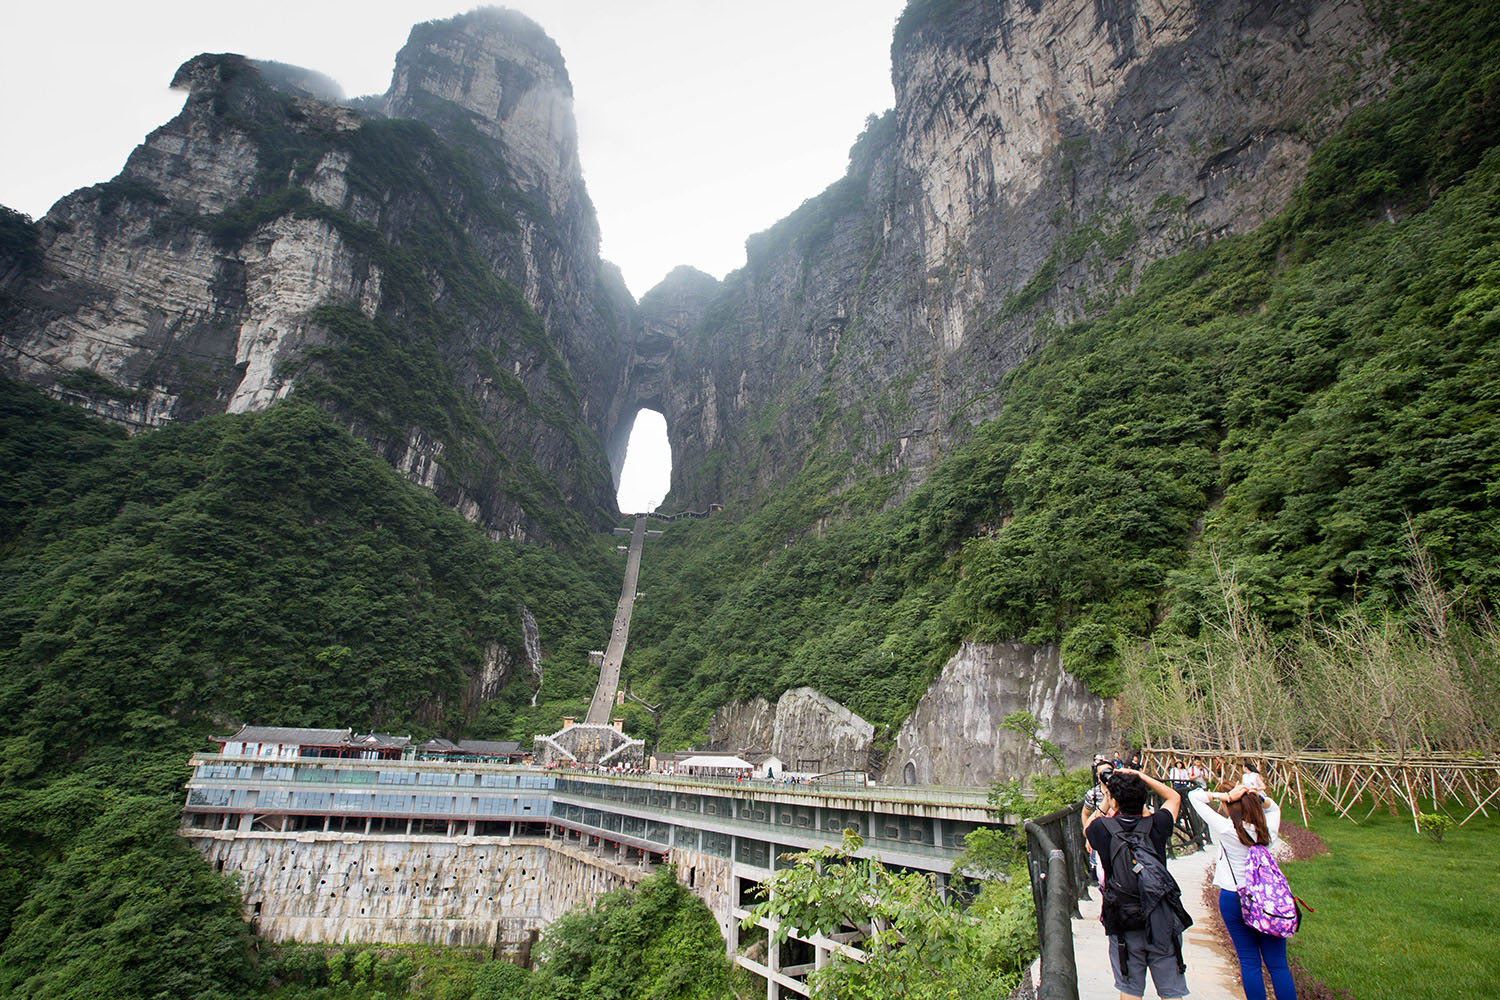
(1252, 947)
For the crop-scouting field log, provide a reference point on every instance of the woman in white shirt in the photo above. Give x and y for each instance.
(1252, 819)
(1177, 775)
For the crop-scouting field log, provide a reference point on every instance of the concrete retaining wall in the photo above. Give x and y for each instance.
(473, 892)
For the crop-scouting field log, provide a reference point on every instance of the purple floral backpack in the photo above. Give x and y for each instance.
(1266, 901)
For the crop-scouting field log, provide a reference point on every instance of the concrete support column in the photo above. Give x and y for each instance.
(732, 937)
(773, 962)
(470, 831)
(326, 821)
(367, 826)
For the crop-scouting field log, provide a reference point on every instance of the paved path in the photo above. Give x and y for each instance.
(1211, 974)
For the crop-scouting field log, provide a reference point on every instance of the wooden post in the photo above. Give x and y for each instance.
(1301, 799)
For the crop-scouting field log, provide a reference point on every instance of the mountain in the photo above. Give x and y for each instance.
(1039, 156)
(1250, 353)
(1054, 344)
(425, 265)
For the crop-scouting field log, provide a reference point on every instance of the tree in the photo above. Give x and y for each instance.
(917, 942)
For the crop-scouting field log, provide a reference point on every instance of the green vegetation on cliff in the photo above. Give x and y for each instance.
(1286, 399)
(266, 568)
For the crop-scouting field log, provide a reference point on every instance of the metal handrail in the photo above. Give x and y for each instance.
(1057, 879)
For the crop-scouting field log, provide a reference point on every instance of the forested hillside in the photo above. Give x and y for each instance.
(266, 568)
(1286, 399)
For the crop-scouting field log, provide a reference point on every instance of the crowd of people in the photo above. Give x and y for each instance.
(1142, 910)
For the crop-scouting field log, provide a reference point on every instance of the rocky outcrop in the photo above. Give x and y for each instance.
(807, 730)
(1039, 155)
(652, 380)
(428, 269)
(955, 734)
(498, 73)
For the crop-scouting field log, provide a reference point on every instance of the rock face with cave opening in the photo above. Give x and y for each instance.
(1037, 158)
(426, 264)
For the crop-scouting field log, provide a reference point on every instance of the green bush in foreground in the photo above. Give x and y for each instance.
(919, 943)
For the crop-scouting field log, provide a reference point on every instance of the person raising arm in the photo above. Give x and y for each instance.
(1253, 819)
(1171, 799)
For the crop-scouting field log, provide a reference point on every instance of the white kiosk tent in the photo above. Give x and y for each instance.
(716, 766)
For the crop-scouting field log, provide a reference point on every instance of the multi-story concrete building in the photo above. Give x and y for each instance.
(487, 854)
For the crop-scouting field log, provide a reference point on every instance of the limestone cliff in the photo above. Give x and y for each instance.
(807, 730)
(954, 735)
(1039, 154)
(426, 265)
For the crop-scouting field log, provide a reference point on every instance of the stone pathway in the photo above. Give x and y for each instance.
(1212, 974)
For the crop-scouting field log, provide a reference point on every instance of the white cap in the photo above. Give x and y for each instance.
(1253, 781)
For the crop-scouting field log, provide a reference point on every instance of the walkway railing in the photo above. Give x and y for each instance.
(1058, 863)
(1469, 785)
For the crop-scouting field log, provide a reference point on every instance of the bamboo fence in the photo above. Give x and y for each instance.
(1343, 779)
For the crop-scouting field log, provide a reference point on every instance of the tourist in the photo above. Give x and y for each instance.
(1198, 773)
(1096, 798)
(1157, 947)
(1096, 802)
(1253, 818)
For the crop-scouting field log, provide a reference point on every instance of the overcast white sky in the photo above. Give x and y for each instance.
(700, 121)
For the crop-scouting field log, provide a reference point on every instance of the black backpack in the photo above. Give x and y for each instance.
(1139, 883)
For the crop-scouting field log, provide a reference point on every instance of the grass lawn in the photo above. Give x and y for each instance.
(1400, 917)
